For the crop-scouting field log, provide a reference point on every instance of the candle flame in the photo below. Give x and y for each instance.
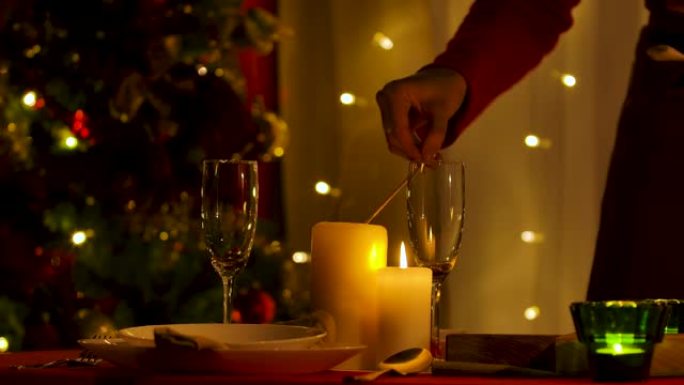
(403, 263)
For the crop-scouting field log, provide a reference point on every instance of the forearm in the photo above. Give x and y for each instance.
(497, 44)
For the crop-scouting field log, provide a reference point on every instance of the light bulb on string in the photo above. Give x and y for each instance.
(529, 236)
(71, 142)
(347, 98)
(534, 141)
(78, 238)
(382, 41)
(29, 99)
(301, 257)
(532, 313)
(323, 188)
(568, 80)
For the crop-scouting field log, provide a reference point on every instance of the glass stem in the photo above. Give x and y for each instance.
(435, 346)
(227, 297)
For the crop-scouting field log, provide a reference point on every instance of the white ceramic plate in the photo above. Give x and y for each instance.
(234, 336)
(245, 361)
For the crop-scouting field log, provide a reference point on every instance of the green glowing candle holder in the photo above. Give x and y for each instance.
(675, 322)
(620, 336)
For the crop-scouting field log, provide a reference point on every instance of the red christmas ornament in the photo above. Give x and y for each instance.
(78, 127)
(255, 306)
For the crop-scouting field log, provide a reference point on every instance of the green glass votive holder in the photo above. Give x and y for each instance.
(620, 336)
(675, 322)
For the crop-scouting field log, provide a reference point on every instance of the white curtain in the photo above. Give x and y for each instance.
(554, 191)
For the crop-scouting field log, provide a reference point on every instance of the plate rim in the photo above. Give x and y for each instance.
(326, 357)
(317, 334)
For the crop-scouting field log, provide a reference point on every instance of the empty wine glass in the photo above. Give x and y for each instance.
(229, 214)
(436, 209)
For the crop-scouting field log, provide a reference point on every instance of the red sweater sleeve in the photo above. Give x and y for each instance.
(497, 44)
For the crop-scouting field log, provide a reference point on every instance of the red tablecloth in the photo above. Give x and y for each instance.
(106, 374)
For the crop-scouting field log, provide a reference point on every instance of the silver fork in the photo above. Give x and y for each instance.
(85, 358)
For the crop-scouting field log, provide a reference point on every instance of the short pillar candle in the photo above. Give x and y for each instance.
(404, 295)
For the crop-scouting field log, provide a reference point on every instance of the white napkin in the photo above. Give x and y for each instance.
(168, 338)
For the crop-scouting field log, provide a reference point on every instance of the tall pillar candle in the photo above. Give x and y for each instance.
(345, 258)
(404, 295)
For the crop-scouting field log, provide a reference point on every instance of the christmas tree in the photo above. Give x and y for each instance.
(107, 109)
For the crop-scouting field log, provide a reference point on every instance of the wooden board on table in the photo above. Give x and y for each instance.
(542, 354)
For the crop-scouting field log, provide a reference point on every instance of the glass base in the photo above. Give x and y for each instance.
(627, 367)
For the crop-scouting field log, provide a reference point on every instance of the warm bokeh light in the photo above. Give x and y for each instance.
(383, 41)
(322, 187)
(29, 99)
(164, 236)
(78, 238)
(347, 98)
(403, 262)
(532, 141)
(532, 313)
(278, 152)
(568, 80)
(202, 70)
(529, 236)
(33, 51)
(301, 257)
(4, 344)
(71, 142)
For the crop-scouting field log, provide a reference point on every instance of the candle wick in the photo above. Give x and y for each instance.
(394, 192)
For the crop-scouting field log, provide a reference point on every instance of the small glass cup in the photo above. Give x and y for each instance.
(620, 336)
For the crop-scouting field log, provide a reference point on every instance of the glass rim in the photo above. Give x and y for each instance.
(236, 161)
(440, 161)
(618, 303)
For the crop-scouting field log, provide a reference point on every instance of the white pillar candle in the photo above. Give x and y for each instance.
(404, 295)
(345, 258)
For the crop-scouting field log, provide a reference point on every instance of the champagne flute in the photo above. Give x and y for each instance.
(436, 210)
(229, 215)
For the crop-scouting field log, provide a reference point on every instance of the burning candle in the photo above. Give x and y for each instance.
(403, 307)
(345, 258)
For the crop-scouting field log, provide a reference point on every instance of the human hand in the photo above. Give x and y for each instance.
(416, 109)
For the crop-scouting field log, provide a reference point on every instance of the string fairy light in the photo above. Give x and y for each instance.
(29, 99)
(78, 238)
(382, 41)
(529, 236)
(347, 98)
(532, 141)
(568, 80)
(301, 257)
(532, 313)
(71, 142)
(322, 187)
